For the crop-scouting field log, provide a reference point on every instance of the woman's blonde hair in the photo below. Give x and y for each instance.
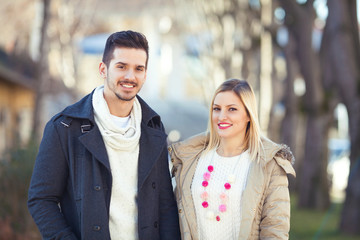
(253, 135)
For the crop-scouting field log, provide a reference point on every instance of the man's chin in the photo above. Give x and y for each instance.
(125, 98)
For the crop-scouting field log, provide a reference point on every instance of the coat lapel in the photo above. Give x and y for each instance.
(95, 147)
(152, 144)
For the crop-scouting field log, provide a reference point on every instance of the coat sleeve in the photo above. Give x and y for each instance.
(169, 220)
(47, 184)
(275, 216)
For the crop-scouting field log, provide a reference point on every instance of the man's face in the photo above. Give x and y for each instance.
(125, 74)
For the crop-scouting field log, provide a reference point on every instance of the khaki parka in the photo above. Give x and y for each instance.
(265, 201)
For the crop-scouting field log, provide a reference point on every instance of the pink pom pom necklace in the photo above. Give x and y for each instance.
(223, 196)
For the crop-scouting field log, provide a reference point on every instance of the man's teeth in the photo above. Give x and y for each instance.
(127, 86)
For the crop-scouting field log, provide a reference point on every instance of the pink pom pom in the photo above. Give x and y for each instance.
(210, 168)
(207, 176)
(223, 197)
(205, 183)
(222, 208)
(204, 195)
(227, 186)
(217, 218)
(205, 204)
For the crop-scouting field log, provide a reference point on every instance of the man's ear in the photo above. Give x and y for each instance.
(103, 70)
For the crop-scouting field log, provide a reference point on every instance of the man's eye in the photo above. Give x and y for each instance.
(140, 69)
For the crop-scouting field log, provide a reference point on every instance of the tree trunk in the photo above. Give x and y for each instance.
(290, 122)
(313, 190)
(41, 71)
(345, 50)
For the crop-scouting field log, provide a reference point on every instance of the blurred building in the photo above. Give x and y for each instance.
(17, 97)
(17, 100)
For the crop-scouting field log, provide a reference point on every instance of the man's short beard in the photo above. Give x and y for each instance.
(124, 99)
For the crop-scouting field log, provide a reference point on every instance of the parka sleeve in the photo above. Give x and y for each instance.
(169, 219)
(275, 216)
(47, 186)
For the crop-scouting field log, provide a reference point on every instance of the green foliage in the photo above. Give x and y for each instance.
(15, 175)
(309, 224)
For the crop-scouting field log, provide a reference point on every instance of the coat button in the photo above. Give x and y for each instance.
(172, 160)
(97, 188)
(156, 224)
(96, 228)
(153, 185)
(180, 210)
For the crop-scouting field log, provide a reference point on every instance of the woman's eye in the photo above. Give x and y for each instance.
(216, 109)
(232, 109)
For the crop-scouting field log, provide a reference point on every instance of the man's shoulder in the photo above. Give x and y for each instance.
(149, 116)
(80, 109)
(76, 112)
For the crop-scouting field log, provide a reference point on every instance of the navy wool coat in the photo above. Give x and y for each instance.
(70, 189)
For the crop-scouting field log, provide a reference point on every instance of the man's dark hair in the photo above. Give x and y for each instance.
(126, 39)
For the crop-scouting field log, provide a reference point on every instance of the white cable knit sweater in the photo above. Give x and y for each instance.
(122, 145)
(229, 225)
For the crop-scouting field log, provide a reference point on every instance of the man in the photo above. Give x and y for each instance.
(102, 167)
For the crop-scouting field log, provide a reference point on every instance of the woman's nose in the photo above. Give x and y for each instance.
(222, 116)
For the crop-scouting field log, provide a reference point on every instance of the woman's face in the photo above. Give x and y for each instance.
(229, 116)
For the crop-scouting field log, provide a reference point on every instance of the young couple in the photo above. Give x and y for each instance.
(102, 167)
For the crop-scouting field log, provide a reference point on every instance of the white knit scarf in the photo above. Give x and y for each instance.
(113, 135)
(122, 145)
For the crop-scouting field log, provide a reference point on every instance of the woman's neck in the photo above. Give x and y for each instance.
(231, 148)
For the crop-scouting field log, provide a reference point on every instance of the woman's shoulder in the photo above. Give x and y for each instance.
(280, 153)
(190, 146)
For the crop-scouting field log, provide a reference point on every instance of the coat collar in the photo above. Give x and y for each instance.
(152, 139)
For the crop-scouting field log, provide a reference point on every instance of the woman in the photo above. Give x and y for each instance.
(231, 183)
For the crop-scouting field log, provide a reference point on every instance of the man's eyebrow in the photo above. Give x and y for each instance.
(122, 63)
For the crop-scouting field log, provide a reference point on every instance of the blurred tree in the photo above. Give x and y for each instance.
(292, 125)
(341, 36)
(230, 41)
(42, 71)
(331, 75)
(314, 187)
(51, 41)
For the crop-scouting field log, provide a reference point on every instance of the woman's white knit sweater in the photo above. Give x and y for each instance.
(237, 168)
(122, 146)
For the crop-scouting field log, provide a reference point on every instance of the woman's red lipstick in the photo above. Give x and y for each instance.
(224, 125)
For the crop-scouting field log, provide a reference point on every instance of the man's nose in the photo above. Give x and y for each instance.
(130, 75)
